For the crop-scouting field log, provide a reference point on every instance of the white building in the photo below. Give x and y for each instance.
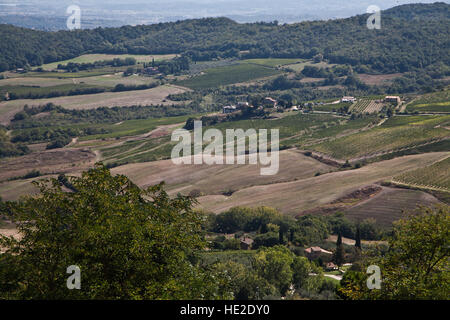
(348, 99)
(229, 109)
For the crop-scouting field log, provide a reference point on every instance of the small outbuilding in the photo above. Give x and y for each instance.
(246, 243)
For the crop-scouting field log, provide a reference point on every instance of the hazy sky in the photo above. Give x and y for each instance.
(147, 11)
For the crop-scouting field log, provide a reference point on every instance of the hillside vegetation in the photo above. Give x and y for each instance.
(436, 176)
(395, 134)
(391, 49)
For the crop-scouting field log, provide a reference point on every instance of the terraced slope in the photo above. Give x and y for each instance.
(395, 134)
(436, 176)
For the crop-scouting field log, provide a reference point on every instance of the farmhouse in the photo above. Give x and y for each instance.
(393, 99)
(315, 252)
(246, 243)
(348, 99)
(229, 109)
(150, 71)
(242, 104)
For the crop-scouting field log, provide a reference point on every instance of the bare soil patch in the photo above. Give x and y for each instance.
(49, 161)
(378, 79)
(308, 193)
(346, 201)
(390, 205)
(220, 179)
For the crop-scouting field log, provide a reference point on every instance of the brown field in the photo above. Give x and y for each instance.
(183, 179)
(297, 196)
(8, 229)
(111, 80)
(12, 190)
(351, 242)
(294, 189)
(49, 161)
(35, 81)
(378, 79)
(90, 101)
(90, 58)
(216, 179)
(389, 205)
(338, 86)
(311, 80)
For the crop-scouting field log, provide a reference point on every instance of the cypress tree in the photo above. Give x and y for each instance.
(358, 238)
(339, 255)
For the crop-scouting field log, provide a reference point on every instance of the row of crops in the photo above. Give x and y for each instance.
(436, 176)
(360, 106)
(369, 106)
(397, 133)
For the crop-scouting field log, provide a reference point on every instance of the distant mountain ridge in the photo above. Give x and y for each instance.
(412, 36)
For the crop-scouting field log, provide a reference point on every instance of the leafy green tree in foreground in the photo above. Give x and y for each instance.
(417, 263)
(274, 265)
(129, 243)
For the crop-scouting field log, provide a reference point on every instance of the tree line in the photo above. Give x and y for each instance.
(394, 48)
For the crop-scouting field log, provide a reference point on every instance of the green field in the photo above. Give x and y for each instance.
(331, 107)
(432, 107)
(432, 102)
(303, 129)
(25, 92)
(136, 151)
(228, 75)
(436, 176)
(134, 127)
(33, 81)
(289, 126)
(90, 58)
(273, 62)
(394, 134)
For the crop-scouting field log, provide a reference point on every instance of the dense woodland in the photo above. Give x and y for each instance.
(344, 41)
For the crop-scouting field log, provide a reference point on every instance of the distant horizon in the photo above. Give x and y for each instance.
(115, 13)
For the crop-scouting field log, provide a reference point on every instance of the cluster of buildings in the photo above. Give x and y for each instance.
(348, 99)
(393, 99)
(150, 71)
(232, 108)
(314, 253)
(388, 99)
(267, 102)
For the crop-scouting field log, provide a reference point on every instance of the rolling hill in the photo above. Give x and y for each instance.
(391, 49)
